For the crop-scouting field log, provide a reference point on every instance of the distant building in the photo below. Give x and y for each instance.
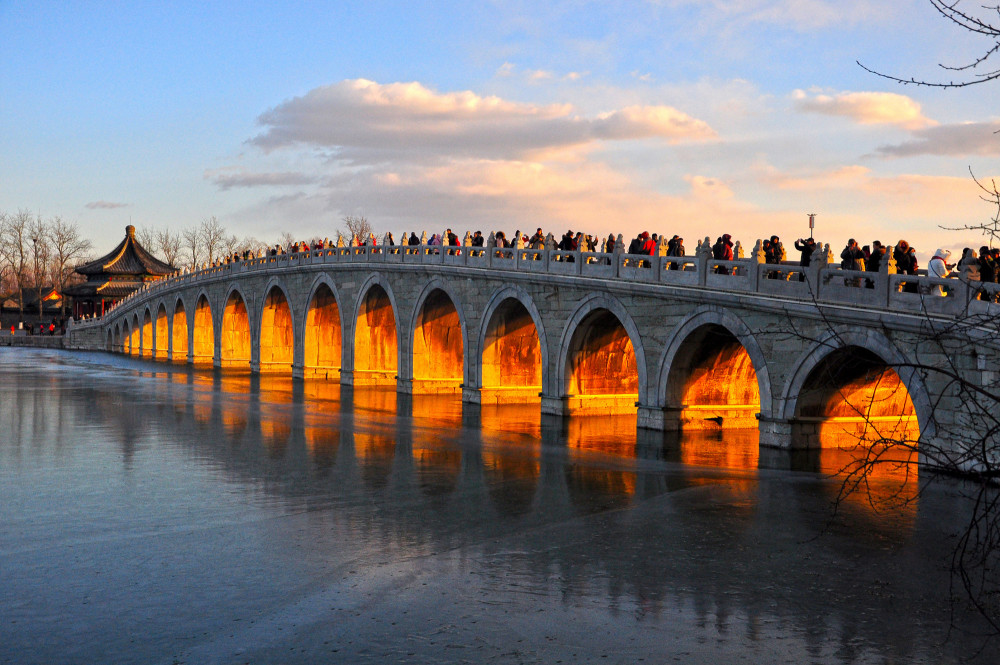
(115, 276)
(51, 303)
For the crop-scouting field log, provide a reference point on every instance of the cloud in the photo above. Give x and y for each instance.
(105, 205)
(536, 75)
(366, 122)
(973, 138)
(231, 177)
(839, 178)
(866, 108)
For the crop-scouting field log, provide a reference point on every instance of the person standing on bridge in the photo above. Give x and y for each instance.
(906, 264)
(537, 241)
(938, 267)
(852, 258)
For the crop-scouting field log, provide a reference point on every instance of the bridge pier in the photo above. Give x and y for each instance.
(654, 418)
(555, 406)
(775, 433)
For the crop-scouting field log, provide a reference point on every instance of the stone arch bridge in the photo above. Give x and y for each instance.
(683, 342)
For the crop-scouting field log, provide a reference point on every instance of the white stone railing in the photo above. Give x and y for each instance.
(822, 281)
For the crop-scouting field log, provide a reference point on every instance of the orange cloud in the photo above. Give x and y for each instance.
(866, 108)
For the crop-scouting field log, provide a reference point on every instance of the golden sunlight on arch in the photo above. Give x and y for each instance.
(204, 333)
(179, 332)
(162, 338)
(234, 347)
(712, 383)
(438, 349)
(276, 334)
(146, 339)
(375, 345)
(512, 356)
(602, 377)
(852, 396)
(134, 346)
(323, 335)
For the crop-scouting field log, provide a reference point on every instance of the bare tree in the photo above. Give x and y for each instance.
(169, 245)
(38, 230)
(358, 227)
(15, 239)
(68, 248)
(191, 240)
(974, 22)
(213, 237)
(231, 244)
(146, 237)
(251, 244)
(286, 240)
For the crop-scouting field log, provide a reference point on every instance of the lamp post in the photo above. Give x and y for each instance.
(38, 284)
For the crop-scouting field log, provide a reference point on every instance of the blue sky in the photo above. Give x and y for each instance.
(677, 116)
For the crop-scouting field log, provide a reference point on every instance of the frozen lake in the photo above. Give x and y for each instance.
(155, 513)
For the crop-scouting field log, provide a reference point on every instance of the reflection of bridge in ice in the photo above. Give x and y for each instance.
(689, 343)
(495, 484)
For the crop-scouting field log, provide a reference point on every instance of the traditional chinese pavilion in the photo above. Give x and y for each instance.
(114, 276)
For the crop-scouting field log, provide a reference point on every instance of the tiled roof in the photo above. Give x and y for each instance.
(115, 289)
(128, 258)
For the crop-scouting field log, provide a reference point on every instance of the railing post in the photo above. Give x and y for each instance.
(884, 283)
(703, 252)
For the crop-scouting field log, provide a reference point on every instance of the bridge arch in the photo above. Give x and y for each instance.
(109, 340)
(438, 341)
(323, 330)
(134, 336)
(513, 351)
(116, 338)
(146, 335)
(713, 371)
(601, 365)
(179, 331)
(203, 344)
(161, 334)
(276, 338)
(375, 353)
(235, 336)
(856, 375)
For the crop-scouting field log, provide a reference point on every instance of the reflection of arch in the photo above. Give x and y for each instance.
(179, 331)
(601, 353)
(713, 360)
(276, 339)
(439, 339)
(203, 333)
(376, 334)
(161, 338)
(146, 337)
(513, 478)
(512, 357)
(234, 340)
(853, 357)
(437, 466)
(323, 330)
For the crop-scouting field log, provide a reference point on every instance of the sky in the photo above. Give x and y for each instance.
(690, 117)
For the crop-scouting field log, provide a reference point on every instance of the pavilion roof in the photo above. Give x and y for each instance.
(128, 258)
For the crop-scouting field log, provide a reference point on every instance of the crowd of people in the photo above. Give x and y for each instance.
(867, 258)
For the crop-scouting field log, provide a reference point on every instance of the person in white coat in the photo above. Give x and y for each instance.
(938, 267)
